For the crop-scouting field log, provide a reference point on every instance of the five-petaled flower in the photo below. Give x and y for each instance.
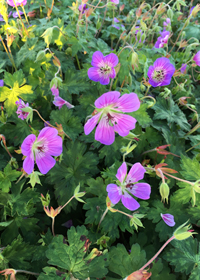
(17, 2)
(103, 67)
(196, 58)
(110, 118)
(20, 105)
(161, 41)
(82, 8)
(168, 219)
(52, 213)
(41, 149)
(161, 72)
(128, 184)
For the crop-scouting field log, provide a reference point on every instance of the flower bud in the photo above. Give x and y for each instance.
(164, 192)
(183, 232)
(40, 56)
(195, 10)
(170, 13)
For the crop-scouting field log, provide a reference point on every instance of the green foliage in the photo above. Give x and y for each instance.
(9, 175)
(70, 255)
(185, 257)
(124, 263)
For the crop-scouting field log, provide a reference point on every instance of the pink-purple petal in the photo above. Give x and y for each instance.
(55, 146)
(55, 91)
(112, 73)
(129, 202)
(141, 190)
(111, 60)
(104, 80)
(27, 144)
(136, 173)
(114, 193)
(168, 219)
(48, 133)
(125, 123)
(121, 172)
(91, 123)
(93, 74)
(97, 59)
(107, 99)
(104, 132)
(28, 164)
(128, 102)
(45, 162)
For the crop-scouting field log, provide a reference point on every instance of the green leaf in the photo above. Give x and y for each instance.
(142, 116)
(190, 168)
(74, 42)
(9, 175)
(123, 263)
(76, 81)
(185, 256)
(70, 255)
(18, 254)
(168, 110)
(51, 273)
(17, 90)
(71, 124)
(77, 166)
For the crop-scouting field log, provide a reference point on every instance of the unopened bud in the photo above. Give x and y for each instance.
(40, 56)
(196, 186)
(56, 81)
(164, 192)
(121, 8)
(195, 10)
(170, 13)
(183, 232)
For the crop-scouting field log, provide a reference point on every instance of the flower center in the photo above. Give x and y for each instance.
(39, 147)
(105, 70)
(159, 75)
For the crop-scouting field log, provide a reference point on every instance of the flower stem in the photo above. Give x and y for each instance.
(21, 19)
(192, 147)
(77, 60)
(151, 97)
(103, 216)
(123, 213)
(4, 143)
(161, 174)
(49, 123)
(53, 222)
(28, 272)
(67, 202)
(25, 14)
(12, 61)
(178, 178)
(155, 256)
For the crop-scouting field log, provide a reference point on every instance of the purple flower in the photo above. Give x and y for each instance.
(18, 2)
(115, 26)
(161, 72)
(196, 58)
(83, 8)
(115, 1)
(129, 185)
(110, 118)
(15, 14)
(55, 91)
(192, 9)
(20, 105)
(168, 219)
(41, 149)
(103, 68)
(183, 68)
(59, 102)
(167, 22)
(1, 83)
(162, 40)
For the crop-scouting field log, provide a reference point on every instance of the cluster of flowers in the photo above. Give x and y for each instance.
(108, 117)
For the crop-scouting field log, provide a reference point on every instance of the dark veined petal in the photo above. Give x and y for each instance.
(136, 173)
(28, 164)
(128, 103)
(129, 202)
(141, 190)
(97, 59)
(104, 132)
(107, 99)
(91, 123)
(44, 162)
(27, 144)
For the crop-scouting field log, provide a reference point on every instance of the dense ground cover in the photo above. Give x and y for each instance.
(100, 144)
